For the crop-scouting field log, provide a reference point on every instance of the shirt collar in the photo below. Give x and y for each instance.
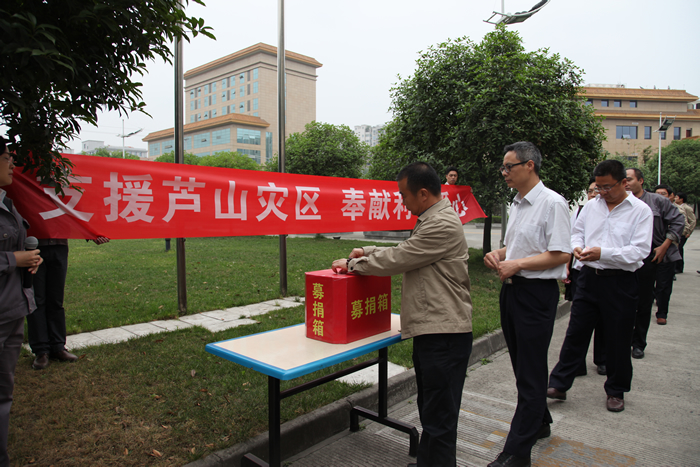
(532, 195)
(429, 212)
(3, 193)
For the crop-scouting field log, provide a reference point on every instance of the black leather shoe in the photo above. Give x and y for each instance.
(554, 393)
(602, 370)
(41, 361)
(544, 432)
(509, 460)
(637, 353)
(64, 356)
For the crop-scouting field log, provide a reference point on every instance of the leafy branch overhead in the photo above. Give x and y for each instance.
(61, 62)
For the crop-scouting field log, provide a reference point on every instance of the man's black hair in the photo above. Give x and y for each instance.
(3, 144)
(682, 195)
(451, 169)
(638, 174)
(420, 175)
(526, 151)
(663, 186)
(610, 167)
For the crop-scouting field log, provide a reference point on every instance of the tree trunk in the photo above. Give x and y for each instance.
(487, 233)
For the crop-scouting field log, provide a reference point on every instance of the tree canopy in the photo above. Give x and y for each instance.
(680, 168)
(63, 61)
(324, 149)
(104, 152)
(467, 101)
(227, 159)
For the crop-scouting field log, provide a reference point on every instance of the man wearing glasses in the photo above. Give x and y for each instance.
(611, 237)
(537, 249)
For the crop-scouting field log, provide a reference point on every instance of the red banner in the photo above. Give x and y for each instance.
(124, 198)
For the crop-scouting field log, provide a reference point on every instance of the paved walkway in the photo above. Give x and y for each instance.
(659, 426)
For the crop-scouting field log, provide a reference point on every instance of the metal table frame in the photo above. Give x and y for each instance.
(275, 396)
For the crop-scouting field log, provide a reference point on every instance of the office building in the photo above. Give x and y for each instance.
(632, 116)
(369, 134)
(231, 104)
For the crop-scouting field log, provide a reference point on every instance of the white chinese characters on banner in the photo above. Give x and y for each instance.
(269, 203)
(137, 193)
(231, 214)
(459, 205)
(69, 207)
(379, 204)
(304, 193)
(399, 207)
(184, 195)
(354, 203)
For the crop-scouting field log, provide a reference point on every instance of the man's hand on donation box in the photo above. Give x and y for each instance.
(340, 266)
(587, 254)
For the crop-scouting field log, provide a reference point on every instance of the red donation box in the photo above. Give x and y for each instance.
(343, 308)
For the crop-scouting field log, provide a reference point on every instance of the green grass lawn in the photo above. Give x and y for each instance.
(162, 399)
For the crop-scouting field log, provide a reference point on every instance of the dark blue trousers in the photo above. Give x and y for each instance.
(528, 309)
(46, 326)
(440, 362)
(614, 300)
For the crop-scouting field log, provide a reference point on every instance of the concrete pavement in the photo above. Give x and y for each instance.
(660, 425)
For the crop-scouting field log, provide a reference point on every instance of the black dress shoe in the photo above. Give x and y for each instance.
(602, 370)
(64, 356)
(509, 460)
(637, 353)
(554, 393)
(41, 361)
(544, 432)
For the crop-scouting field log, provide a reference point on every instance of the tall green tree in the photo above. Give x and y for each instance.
(467, 101)
(230, 160)
(189, 158)
(104, 152)
(63, 61)
(324, 149)
(680, 168)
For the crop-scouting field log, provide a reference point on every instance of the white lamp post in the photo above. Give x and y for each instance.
(122, 136)
(667, 122)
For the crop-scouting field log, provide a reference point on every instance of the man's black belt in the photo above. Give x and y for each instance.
(520, 279)
(610, 272)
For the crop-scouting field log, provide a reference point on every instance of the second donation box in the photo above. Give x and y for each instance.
(343, 308)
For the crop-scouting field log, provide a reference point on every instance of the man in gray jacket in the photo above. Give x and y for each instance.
(436, 306)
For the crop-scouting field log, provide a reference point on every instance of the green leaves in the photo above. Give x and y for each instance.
(61, 62)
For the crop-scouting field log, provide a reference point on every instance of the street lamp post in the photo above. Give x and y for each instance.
(122, 136)
(667, 122)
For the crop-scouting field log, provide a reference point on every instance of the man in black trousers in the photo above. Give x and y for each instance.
(537, 249)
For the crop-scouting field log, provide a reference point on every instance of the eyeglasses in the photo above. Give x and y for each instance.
(508, 167)
(606, 188)
(592, 190)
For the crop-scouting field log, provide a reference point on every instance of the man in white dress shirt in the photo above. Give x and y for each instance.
(611, 237)
(537, 249)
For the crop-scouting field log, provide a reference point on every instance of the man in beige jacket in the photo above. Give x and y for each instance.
(436, 306)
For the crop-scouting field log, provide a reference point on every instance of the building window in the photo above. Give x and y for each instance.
(589, 102)
(213, 113)
(223, 83)
(192, 94)
(242, 92)
(206, 115)
(192, 118)
(647, 132)
(617, 103)
(206, 89)
(688, 132)
(245, 136)
(232, 81)
(255, 74)
(233, 108)
(255, 87)
(241, 108)
(168, 146)
(188, 143)
(626, 132)
(154, 149)
(212, 99)
(221, 137)
(252, 153)
(199, 92)
(213, 86)
(268, 145)
(676, 133)
(663, 134)
(198, 105)
(223, 96)
(201, 140)
(233, 94)
(241, 79)
(192, 105)
(224, 110)
(255, 104)
(633, 104)
(604, 103)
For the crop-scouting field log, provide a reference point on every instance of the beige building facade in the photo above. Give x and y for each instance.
(632, 116)
(231, 104)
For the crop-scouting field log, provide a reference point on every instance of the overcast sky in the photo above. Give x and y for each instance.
(364, 45)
